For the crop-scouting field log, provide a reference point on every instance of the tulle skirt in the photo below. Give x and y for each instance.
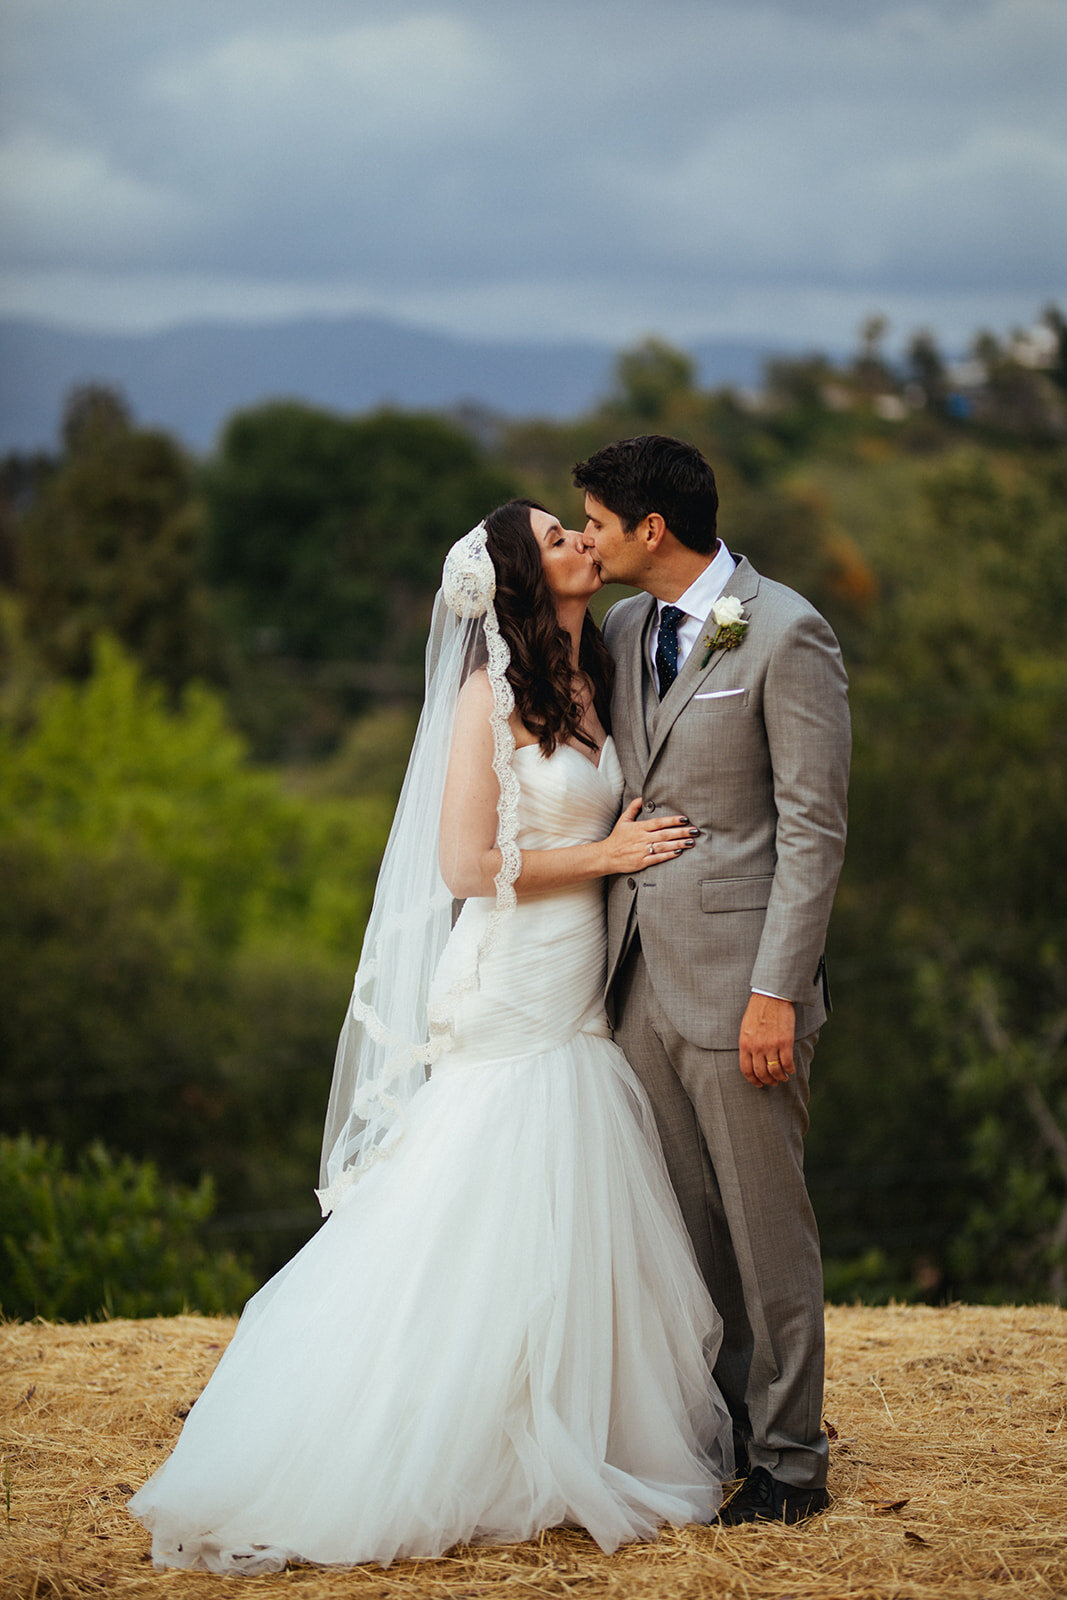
(500, 1329)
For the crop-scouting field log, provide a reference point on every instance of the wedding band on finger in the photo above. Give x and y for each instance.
(651, 849)
(774, 1063)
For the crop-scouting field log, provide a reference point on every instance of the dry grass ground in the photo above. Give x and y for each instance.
(948, 1470)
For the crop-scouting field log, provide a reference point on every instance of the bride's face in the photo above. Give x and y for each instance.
(570, 568)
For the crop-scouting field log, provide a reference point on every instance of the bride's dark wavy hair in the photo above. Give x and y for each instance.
(540, 669)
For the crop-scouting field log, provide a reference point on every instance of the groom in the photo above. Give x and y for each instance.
(729, 707)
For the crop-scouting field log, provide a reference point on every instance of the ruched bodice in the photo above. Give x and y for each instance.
(564, 798)
(542, 979)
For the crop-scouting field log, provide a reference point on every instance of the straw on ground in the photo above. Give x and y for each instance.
(948, 1470)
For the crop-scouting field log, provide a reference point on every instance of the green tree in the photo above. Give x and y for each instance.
(109, 765)
(1056, 322)
(926, 367)
(177, 939)
(951, 914)
(113, 1010)
(650, 378)
(869, 368)
(327, 536)
(113, 539)
(329, 532)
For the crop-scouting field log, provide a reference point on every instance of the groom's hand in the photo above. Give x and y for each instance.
(766, 1046)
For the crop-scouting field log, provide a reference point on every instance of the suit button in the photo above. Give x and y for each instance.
(631, 883)
(650, 805)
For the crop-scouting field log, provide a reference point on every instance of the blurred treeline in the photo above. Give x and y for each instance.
(209, 677)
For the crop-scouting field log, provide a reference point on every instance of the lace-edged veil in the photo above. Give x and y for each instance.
(394, 1029)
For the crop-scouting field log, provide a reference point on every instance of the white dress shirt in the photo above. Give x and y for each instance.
(696, 602)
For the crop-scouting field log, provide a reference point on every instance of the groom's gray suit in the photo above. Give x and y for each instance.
(753, 748)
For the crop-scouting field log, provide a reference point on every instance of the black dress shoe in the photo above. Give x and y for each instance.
(762, 1498)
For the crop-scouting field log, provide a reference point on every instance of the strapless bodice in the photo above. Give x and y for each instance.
(542, 978)
(564, 798)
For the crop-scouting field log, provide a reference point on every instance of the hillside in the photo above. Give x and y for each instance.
(188, 379)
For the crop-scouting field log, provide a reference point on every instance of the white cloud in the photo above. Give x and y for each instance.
(400, 79)
(71, 202)
(762, 199)
(991, 210)
(480, 163)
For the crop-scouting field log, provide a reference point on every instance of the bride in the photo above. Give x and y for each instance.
(501, 1327)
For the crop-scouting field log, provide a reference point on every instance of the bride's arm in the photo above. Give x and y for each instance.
(468, 854)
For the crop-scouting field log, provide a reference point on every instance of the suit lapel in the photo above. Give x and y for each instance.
(631, 678)
(745, 586)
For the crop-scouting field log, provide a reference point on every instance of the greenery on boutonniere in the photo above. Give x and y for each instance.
(731, 625)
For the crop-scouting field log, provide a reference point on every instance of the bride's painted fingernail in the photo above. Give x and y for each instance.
(695, 832)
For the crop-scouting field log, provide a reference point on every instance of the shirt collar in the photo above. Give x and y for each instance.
(705, 589)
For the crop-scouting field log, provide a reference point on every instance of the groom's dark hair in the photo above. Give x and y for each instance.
(635, 477)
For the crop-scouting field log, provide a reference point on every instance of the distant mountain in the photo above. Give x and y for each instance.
(189, 379)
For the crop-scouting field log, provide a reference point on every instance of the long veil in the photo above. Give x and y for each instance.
(392, 1033)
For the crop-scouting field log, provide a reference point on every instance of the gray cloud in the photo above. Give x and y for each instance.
(516, 168)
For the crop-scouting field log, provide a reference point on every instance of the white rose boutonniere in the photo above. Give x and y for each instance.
(731, 625)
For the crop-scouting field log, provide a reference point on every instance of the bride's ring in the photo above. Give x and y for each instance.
(651, 849)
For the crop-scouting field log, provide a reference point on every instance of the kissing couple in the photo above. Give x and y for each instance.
(570, 1273)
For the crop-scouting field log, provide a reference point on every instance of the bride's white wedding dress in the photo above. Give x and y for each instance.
(501, 1327)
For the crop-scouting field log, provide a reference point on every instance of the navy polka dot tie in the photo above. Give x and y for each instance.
(667, 647)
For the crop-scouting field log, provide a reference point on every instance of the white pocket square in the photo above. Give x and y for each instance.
(717, 694)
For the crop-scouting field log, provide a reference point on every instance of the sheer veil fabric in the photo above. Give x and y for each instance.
(500, 1327)
(392, 1033)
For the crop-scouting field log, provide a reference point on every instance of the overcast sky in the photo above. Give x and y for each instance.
(739, 168)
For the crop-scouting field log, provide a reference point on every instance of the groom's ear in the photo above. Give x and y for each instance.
(652, 530)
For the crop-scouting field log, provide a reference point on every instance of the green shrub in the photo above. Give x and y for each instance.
(108, 768)
(107, 1239)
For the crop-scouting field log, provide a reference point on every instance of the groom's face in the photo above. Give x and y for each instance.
(620, 554)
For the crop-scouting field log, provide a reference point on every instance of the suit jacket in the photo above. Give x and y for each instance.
(754, 749)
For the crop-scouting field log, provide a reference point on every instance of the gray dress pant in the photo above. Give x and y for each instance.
(735, 1154)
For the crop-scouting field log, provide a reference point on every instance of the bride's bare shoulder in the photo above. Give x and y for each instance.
(477, 692)
(475, 704)
(475, 709)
